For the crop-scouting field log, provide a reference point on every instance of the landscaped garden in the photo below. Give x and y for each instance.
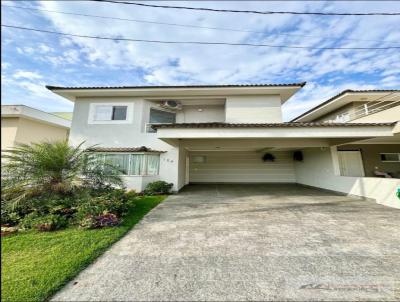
(60, 210)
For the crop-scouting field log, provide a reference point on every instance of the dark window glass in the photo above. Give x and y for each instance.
(119, 113)
(161, 117)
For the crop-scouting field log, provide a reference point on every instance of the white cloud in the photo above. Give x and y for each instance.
(24, 74)
(43, 48)
(327, 72)
(214, 64)
(71, 56)
(5, 65)
(25, 50)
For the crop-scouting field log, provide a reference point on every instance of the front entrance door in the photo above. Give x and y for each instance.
(351, 163)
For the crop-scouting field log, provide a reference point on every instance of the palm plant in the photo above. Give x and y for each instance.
(56, 167)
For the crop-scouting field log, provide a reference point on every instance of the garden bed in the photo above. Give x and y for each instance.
(36, 264)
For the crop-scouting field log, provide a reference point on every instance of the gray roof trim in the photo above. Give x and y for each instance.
(266, 125)
(141, 149)
(301, 84)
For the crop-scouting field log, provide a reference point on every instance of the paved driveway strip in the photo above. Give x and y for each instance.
(251, 242)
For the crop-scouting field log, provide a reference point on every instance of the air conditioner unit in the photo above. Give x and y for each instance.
(173, 105)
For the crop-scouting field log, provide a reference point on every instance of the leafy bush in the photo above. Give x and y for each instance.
(99, 221)
(46, 185)
(114, 201)
(50, 203)
(43, 168)
(48, 222)
(107, 220)
(131, 194)
(88, 222)
(158, 188)
(8, 216)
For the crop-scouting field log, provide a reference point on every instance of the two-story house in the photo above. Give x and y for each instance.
(234, 134)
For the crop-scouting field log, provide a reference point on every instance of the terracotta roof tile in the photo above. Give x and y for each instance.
(123, 149)
(301, 84)
(265, 125)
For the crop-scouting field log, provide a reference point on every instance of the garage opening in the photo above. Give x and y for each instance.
(240, 167)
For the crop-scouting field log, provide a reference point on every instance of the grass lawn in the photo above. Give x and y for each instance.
(35, 265)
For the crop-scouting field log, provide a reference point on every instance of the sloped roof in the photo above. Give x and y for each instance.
(301, 84)
(265, 125)
(34, 114)
(341, 94)
(123, 149)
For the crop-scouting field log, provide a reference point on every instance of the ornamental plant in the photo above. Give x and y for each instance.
(52, 168)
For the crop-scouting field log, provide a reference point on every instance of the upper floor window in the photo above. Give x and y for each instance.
(101, 113)
(160, 117)
(110, 113)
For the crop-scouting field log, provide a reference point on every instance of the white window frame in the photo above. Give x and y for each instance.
(129, 113)
(390, 161)
(148, 128)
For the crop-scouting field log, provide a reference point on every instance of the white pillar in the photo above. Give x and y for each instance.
(335, 160)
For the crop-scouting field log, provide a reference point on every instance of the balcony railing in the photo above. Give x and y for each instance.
(383, 103)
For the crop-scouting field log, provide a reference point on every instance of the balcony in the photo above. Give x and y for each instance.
(386, 102)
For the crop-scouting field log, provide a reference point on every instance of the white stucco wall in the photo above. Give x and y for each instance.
(253, 109)
(9, 129)
(125, 135)
(139, 183)
(386, 116)
(182, 167)
(22, 130)
(317, 170)
(201, 114)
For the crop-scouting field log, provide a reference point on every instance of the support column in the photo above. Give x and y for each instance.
(335, 160)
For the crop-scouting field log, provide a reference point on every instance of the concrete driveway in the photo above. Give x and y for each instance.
(251, 242)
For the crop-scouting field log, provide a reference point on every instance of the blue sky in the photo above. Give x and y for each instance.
(32, 60)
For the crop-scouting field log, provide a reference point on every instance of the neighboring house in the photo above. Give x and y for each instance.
(64, 115)
(23, 124)
(369, 157)
(220, 133)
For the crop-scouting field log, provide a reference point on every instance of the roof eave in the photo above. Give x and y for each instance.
(23, 111)
(303, 117)
(285, 90)
(265, 125)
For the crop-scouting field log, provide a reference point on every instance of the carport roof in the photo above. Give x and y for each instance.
(124, 149)
(266, 125)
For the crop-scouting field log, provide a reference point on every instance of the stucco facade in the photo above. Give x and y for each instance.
(201, 106)
(372, 160)
(318, 170)
(21, 124)
(219, 134)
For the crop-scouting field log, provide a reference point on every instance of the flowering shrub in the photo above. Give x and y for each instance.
(107, 220)
(99, 221)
